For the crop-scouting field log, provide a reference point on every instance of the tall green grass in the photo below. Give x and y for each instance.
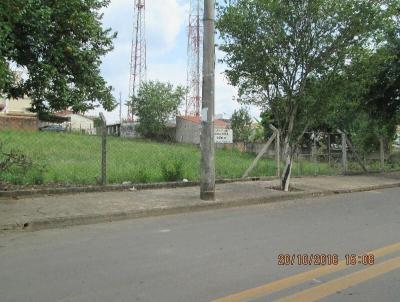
(71, 158)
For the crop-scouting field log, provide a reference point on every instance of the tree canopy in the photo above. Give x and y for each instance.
(383, 96)
(58, 45)
(277, 50)
(363, 95)
(241, 125)
(155, 105)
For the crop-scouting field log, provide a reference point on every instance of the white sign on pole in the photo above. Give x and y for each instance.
(204, 113)
(223, 136)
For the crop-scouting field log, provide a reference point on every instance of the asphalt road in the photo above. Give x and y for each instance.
(223, 255)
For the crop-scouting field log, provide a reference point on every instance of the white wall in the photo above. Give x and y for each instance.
(81, 123)
(187, 132)
(19, 106)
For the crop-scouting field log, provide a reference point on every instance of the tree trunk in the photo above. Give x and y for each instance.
(287, 171)
(288, 152)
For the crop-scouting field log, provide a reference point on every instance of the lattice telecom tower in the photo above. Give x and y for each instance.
(138, 52)
(194, 64)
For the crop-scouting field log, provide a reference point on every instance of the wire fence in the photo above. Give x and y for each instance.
(76, 158)
(335, 153)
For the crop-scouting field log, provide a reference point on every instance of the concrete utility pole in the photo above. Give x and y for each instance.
(207, 183)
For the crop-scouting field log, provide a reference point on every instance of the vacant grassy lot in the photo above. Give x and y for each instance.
(75, 159)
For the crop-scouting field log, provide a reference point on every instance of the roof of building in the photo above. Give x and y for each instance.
(69, 112)
(197, 120)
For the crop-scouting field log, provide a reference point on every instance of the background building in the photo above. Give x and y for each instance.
(15, 114)
(78, 122)
(188, 129)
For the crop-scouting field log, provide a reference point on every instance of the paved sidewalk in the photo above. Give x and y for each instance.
(34, 213)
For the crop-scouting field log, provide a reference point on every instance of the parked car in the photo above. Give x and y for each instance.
(53, 128)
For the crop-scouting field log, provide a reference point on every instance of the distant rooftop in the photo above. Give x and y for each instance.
(197, 120)
(69, 112)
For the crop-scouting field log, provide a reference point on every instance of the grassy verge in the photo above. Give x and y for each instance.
(75, 159)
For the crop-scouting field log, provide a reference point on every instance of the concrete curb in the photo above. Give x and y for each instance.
(118, 187)
(366, 189)
(61, 222)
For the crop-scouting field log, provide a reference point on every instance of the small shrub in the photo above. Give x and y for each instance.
(14, 165)
(172, 170)
(13, 159)
(142, 176)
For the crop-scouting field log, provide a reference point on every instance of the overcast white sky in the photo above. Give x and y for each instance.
(166, 28)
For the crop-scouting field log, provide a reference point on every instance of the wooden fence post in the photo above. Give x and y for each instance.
(314, 154)
(277, 150)
(382, 153)
(278, 154)
(260, 154)
(299, 167)
(344, 153)
(329, 149)
(346, 142)
(358, 159)
(103, 149)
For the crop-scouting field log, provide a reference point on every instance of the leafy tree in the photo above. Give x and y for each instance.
(258, 133)
(241, 125)
(275, 48)
(156, 104)
(383, 96)
(267, 118)
(362, 97)
(58, 44)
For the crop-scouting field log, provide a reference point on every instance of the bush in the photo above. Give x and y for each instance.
(17, 168)
(13, 159)
(241, 125)
(172, 170)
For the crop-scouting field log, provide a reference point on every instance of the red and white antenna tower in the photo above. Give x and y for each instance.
(138, 52)
(194, 64)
